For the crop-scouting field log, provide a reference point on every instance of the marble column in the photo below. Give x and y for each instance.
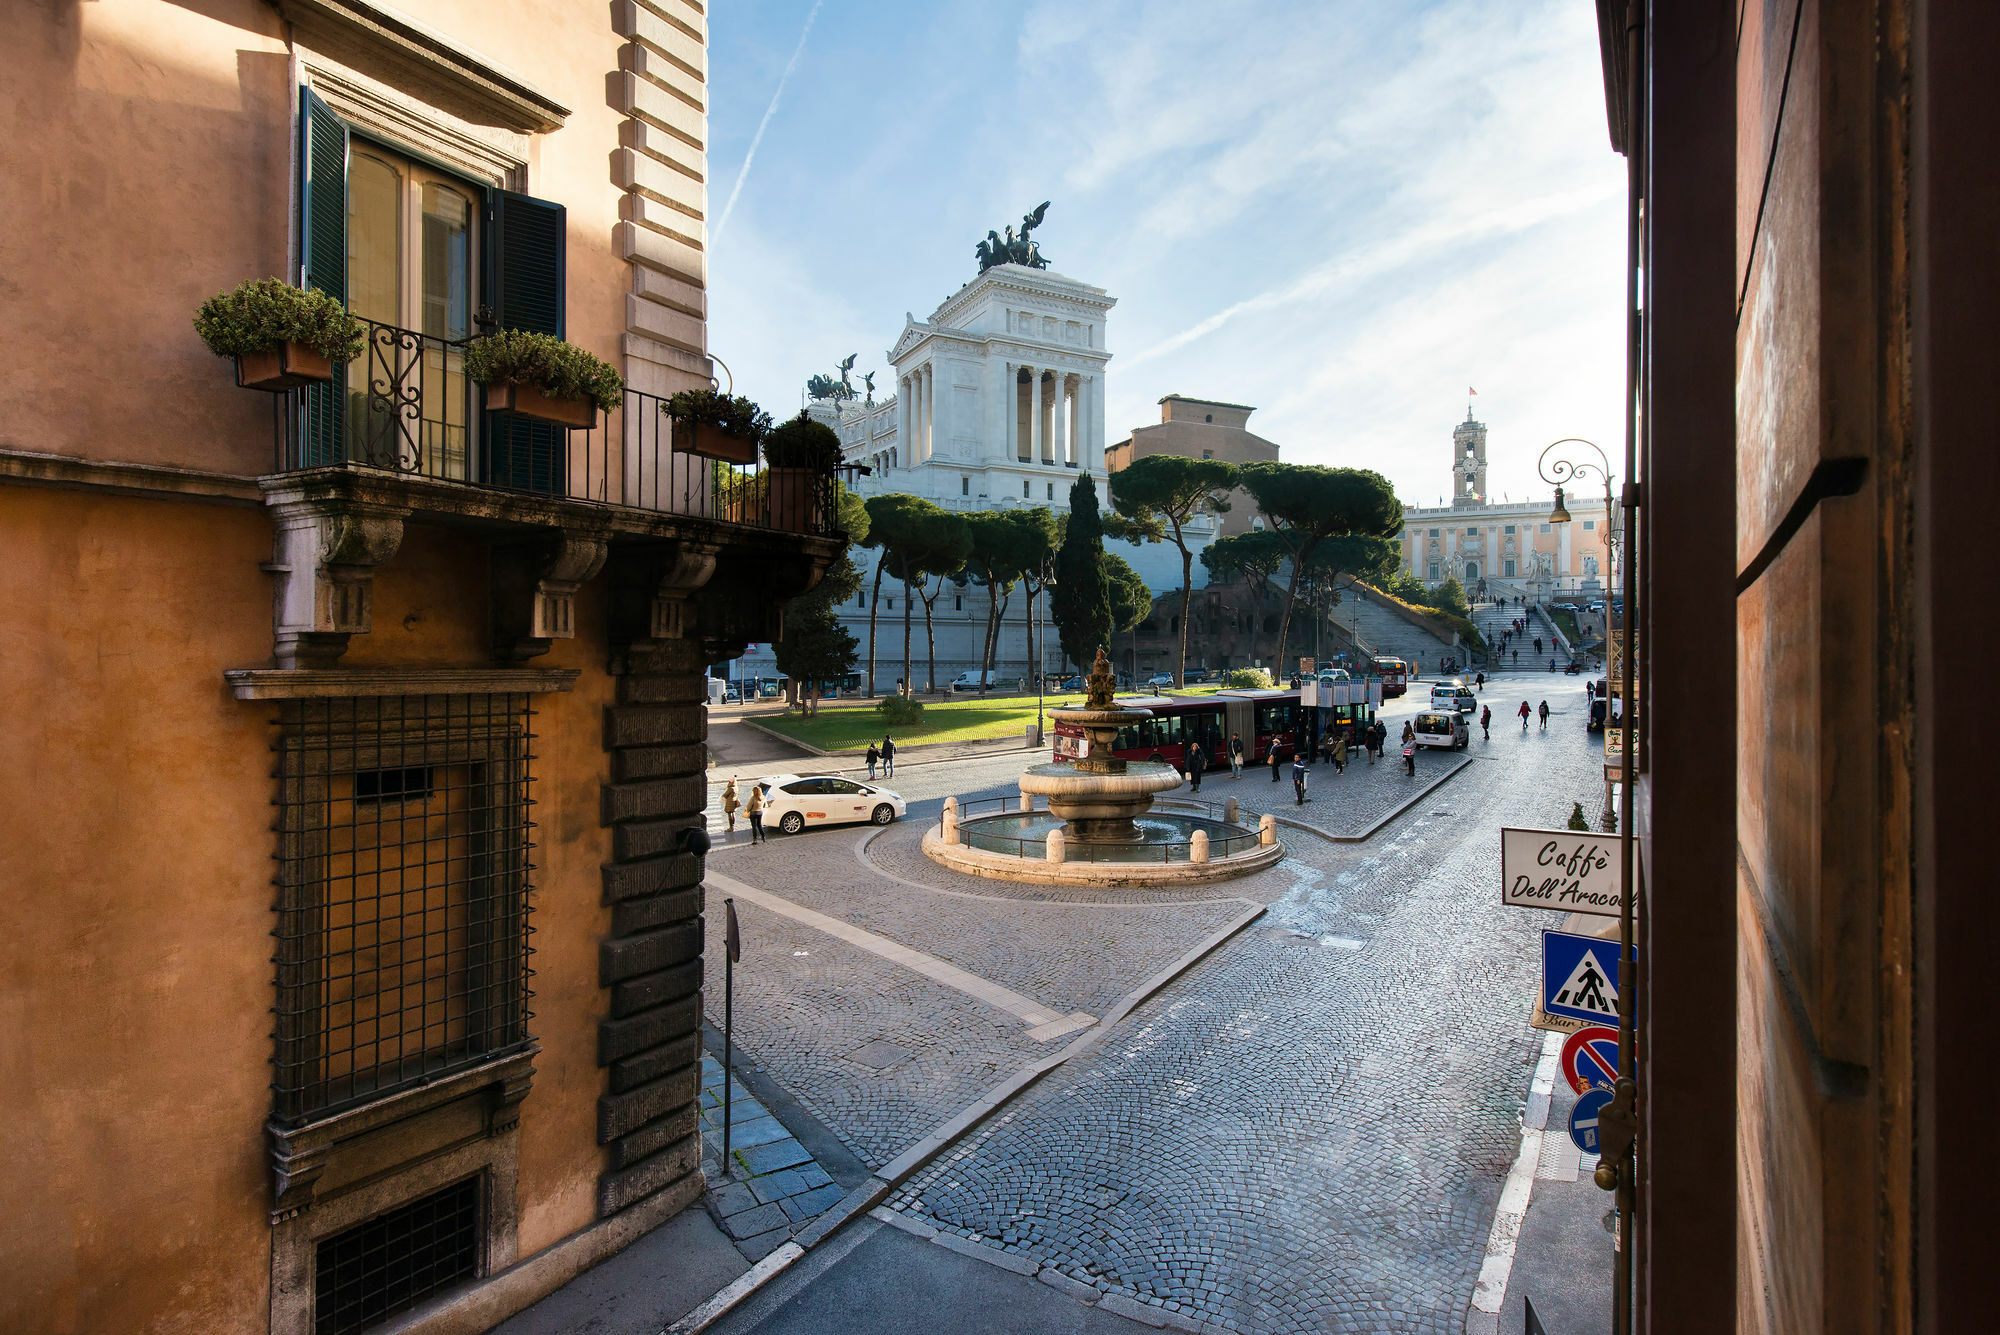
(903, 411)
(1034, 414)
(1009, 402)
(1059, 420)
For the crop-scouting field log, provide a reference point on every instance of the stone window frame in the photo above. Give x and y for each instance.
(334, 1171)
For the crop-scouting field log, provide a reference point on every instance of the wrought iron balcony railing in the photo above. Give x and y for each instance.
(407, 407)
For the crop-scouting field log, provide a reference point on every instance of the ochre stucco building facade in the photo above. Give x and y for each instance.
(354, 734)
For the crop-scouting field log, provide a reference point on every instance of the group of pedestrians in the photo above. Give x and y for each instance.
(883, 755)
(752, 808)
(1525, 712)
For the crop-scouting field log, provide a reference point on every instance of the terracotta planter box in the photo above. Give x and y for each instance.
(792, 496)
(529, 401)
(286, 366)
(712, 442)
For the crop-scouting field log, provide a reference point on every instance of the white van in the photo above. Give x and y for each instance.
(1442, 727)
(972, 681)
(1453, 694)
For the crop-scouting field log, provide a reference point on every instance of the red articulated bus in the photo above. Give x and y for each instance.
(1395, 675)
(1263, 719)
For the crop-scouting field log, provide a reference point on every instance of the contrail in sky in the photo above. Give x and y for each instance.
(758, 138)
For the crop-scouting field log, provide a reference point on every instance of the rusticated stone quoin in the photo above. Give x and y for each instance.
(651, 963)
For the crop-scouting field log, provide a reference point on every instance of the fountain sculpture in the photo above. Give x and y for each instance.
(1099, 827)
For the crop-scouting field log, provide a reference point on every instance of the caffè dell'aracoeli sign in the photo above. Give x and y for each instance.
(1573, 871)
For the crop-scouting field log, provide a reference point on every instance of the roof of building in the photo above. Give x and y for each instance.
(1213, 403)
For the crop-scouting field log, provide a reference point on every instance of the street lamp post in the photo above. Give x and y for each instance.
(1614, 1173)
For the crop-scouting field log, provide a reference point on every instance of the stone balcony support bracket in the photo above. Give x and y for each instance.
(534, 590)
(325, 555)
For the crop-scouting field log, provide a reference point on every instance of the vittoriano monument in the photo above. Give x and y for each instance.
(1013, 249)
(826, 387)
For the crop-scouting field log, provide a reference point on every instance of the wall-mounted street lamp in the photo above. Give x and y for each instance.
(1565, 468)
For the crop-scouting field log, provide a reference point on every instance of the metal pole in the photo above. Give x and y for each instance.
(732, 951)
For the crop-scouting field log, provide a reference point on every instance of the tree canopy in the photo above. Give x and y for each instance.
(1159, 495)
(1308, 504)
(1131, 600)
(919, 540)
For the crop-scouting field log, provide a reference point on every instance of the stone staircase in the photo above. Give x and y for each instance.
(1391, 632)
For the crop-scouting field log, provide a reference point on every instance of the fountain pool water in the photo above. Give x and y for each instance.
(1163, 837)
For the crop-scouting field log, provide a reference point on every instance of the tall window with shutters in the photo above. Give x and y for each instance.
(417, 252)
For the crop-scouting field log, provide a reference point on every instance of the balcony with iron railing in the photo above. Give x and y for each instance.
(406, 408)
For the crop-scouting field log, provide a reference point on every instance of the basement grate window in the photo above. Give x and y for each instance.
(404, 846)
(396, 1260)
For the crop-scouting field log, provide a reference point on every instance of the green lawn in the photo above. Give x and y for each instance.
(954, 721)
(852, 727)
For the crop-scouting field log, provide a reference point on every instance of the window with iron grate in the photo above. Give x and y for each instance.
(404, 860)
(396, 1260)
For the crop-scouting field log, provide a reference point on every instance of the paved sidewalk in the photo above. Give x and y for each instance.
(773, 1187)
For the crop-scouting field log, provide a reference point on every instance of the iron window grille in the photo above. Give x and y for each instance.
(396, 1260)
(404, 867)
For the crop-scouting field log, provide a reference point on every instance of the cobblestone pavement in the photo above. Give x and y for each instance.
(1343, 805)
(1309, 1131)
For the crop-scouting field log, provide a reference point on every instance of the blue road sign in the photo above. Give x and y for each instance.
(1580, 977)
(1583, 1118)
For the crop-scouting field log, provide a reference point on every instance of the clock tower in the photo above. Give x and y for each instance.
(1468, 464)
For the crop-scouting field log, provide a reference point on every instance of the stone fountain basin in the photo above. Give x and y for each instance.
(1118, 794)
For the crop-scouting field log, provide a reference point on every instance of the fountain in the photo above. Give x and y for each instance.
(1099, 827)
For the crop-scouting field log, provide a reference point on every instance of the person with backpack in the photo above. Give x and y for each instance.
(1545, 716)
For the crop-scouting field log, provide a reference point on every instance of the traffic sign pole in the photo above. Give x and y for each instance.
(732, 951)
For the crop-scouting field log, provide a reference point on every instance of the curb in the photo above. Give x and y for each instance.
(1376, 828)
(870, 1194)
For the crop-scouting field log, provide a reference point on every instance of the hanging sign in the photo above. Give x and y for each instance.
(1572, 870)
(1614, 745)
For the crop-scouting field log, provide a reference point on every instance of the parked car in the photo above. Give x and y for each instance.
(1160, 679)
(794, 801)
(1446, 728)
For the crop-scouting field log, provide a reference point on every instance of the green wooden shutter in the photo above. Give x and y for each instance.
(323, 244)
(526, 254)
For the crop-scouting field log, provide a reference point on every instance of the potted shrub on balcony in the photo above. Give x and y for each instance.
(799, 459)
(716, 426)
(539, 376)
(281, 336)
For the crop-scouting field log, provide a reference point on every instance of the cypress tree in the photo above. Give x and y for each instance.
(1081, 603)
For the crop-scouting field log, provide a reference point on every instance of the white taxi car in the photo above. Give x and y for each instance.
(794, 801)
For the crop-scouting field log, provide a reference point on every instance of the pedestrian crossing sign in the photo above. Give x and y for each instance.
(1580, 977)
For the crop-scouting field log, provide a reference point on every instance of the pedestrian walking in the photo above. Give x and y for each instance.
(1480, 681)
(1197, 761)
(1525, 711)
(888, 755)
(874, 758)
(1340, 755)
(729, 805)
(754, 810)
(1545, 716)
(1236, 754)
(1538, 646)
(1410, 757)
(1272, 760)
(1517, 658)
(1486, 723)
(1299, 774)
(1409, 734)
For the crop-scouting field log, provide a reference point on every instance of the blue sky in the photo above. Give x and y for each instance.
(1345, 214)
